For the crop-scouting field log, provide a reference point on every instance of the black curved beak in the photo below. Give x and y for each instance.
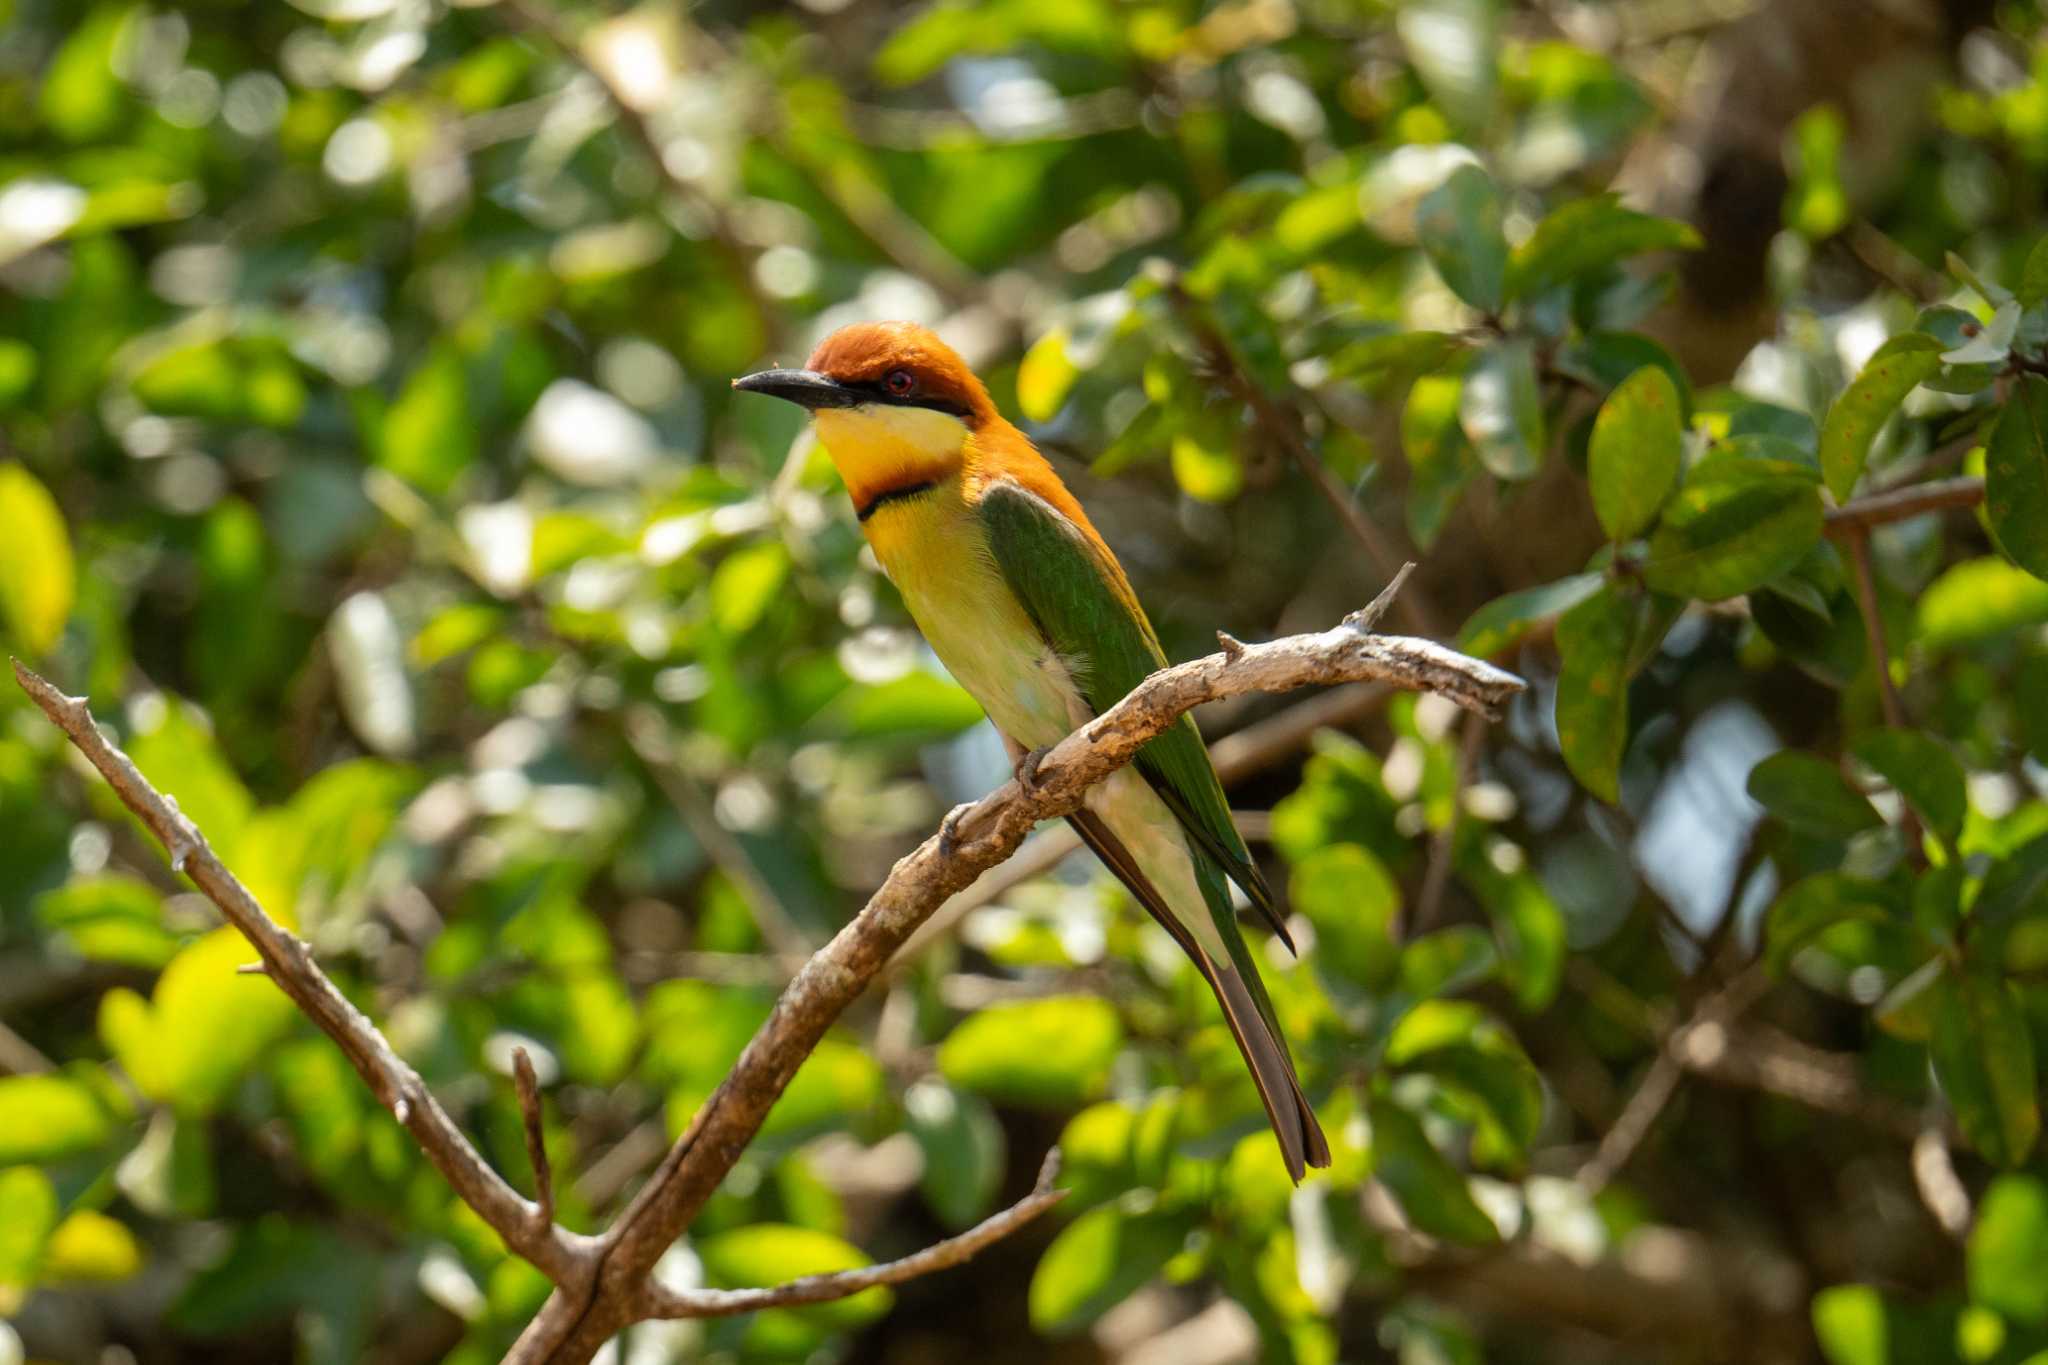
(805, 388)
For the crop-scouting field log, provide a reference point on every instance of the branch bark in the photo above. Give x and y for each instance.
(662, 1302)
(604, 1283)
(564, 1256)
(576, 1321)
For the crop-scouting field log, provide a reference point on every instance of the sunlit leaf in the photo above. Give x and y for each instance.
(764, 1254)
(1633, 459)
(1592, 690)
(1584, 235)
(1735, 525)
(49, 1117)
(37, 577)
(1052, 1052)
(2008, 1247)
(1349, 898)
(90, 1246)
(1867, 404)
(1098, 1261)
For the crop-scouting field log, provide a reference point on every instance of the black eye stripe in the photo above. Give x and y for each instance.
(879, 391)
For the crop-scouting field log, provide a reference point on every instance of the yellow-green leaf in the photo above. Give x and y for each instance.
(37, 576)
(1632, 461)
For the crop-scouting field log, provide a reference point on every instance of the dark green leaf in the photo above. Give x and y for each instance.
(1586, 235)
(1349, 898)
(1810, 795)
(1440, 459)
(1984, 1058)
(1924, 772)
(2016, 476)
(963, 1147)
(1459, 226)
(1735, 525)
(2034, 276)
(1432, 1191)
(1506, 621)
(1808, 908)
(1633, 459)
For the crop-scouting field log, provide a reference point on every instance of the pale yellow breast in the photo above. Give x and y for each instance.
(933, 550)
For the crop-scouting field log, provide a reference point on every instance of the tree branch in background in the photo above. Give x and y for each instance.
(1897, 504)
(577, 1320)
(562, 1255)
(1880, 650)
(1284, 426)
(536, 1145)
(662, 1302)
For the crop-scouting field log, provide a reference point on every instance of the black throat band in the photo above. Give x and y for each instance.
(889, 495)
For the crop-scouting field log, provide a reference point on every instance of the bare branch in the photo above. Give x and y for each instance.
(573, 1324)
(1897, 504)
(1880, 651)
(562, 1255)
(536, 1146)
(662, 1302)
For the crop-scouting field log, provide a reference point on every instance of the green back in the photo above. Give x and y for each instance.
(1072, 595)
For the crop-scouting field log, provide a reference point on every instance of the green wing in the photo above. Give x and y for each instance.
(1072, 594)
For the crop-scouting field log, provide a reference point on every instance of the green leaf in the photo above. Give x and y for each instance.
(1735, 525)
(1046, 376)
(1810, 907)
(746, 583)
(1849, 1320)
(1393, 360)
(1501, 410)
(1440, 459)
(1632, 461)
(82, 98)
(1491, 1071)
(28, 1214)
(1459, 226)
(429, 436)
(1867, 404)
(1592, 690)
(919, 704)
(2008, 1247)
(37, 576)
(1432, 1192)
(109, 918)
(48, 1118)
(764, 1254)
(2016, 477)
(1984, 1058)
(204, 1025)
(1979, 598)
(1454, 47)
(1051, 1053)
(1349, 898)
(1585, 235)
(1924, 772)
(2034, 276)
(964, 1150)
(1098, 1261)
(1506, 621)
(1810, 795)
(89, 1247)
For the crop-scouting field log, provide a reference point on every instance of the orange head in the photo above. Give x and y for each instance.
(881, 364)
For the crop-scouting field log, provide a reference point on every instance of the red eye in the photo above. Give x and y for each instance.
(900, 382)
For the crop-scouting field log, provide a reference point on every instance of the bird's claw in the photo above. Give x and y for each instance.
(949, 829)
(1027, 768)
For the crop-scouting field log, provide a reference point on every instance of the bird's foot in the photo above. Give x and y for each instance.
(1027, 768)
(949, 829)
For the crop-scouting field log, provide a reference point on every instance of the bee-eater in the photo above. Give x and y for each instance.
(1026, 606)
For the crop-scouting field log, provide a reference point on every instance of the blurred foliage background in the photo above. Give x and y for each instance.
(366, 453)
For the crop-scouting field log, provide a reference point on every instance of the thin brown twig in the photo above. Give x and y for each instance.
(579, 1319)
(1873, 625)
(562, 1255)
(1284, 426)
(1697, 1044)
(663, 1302)
(1855, 518)
(528, 1085)
(1436, 880)
(651, 740)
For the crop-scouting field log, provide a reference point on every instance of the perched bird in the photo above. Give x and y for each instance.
(1029, 610)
